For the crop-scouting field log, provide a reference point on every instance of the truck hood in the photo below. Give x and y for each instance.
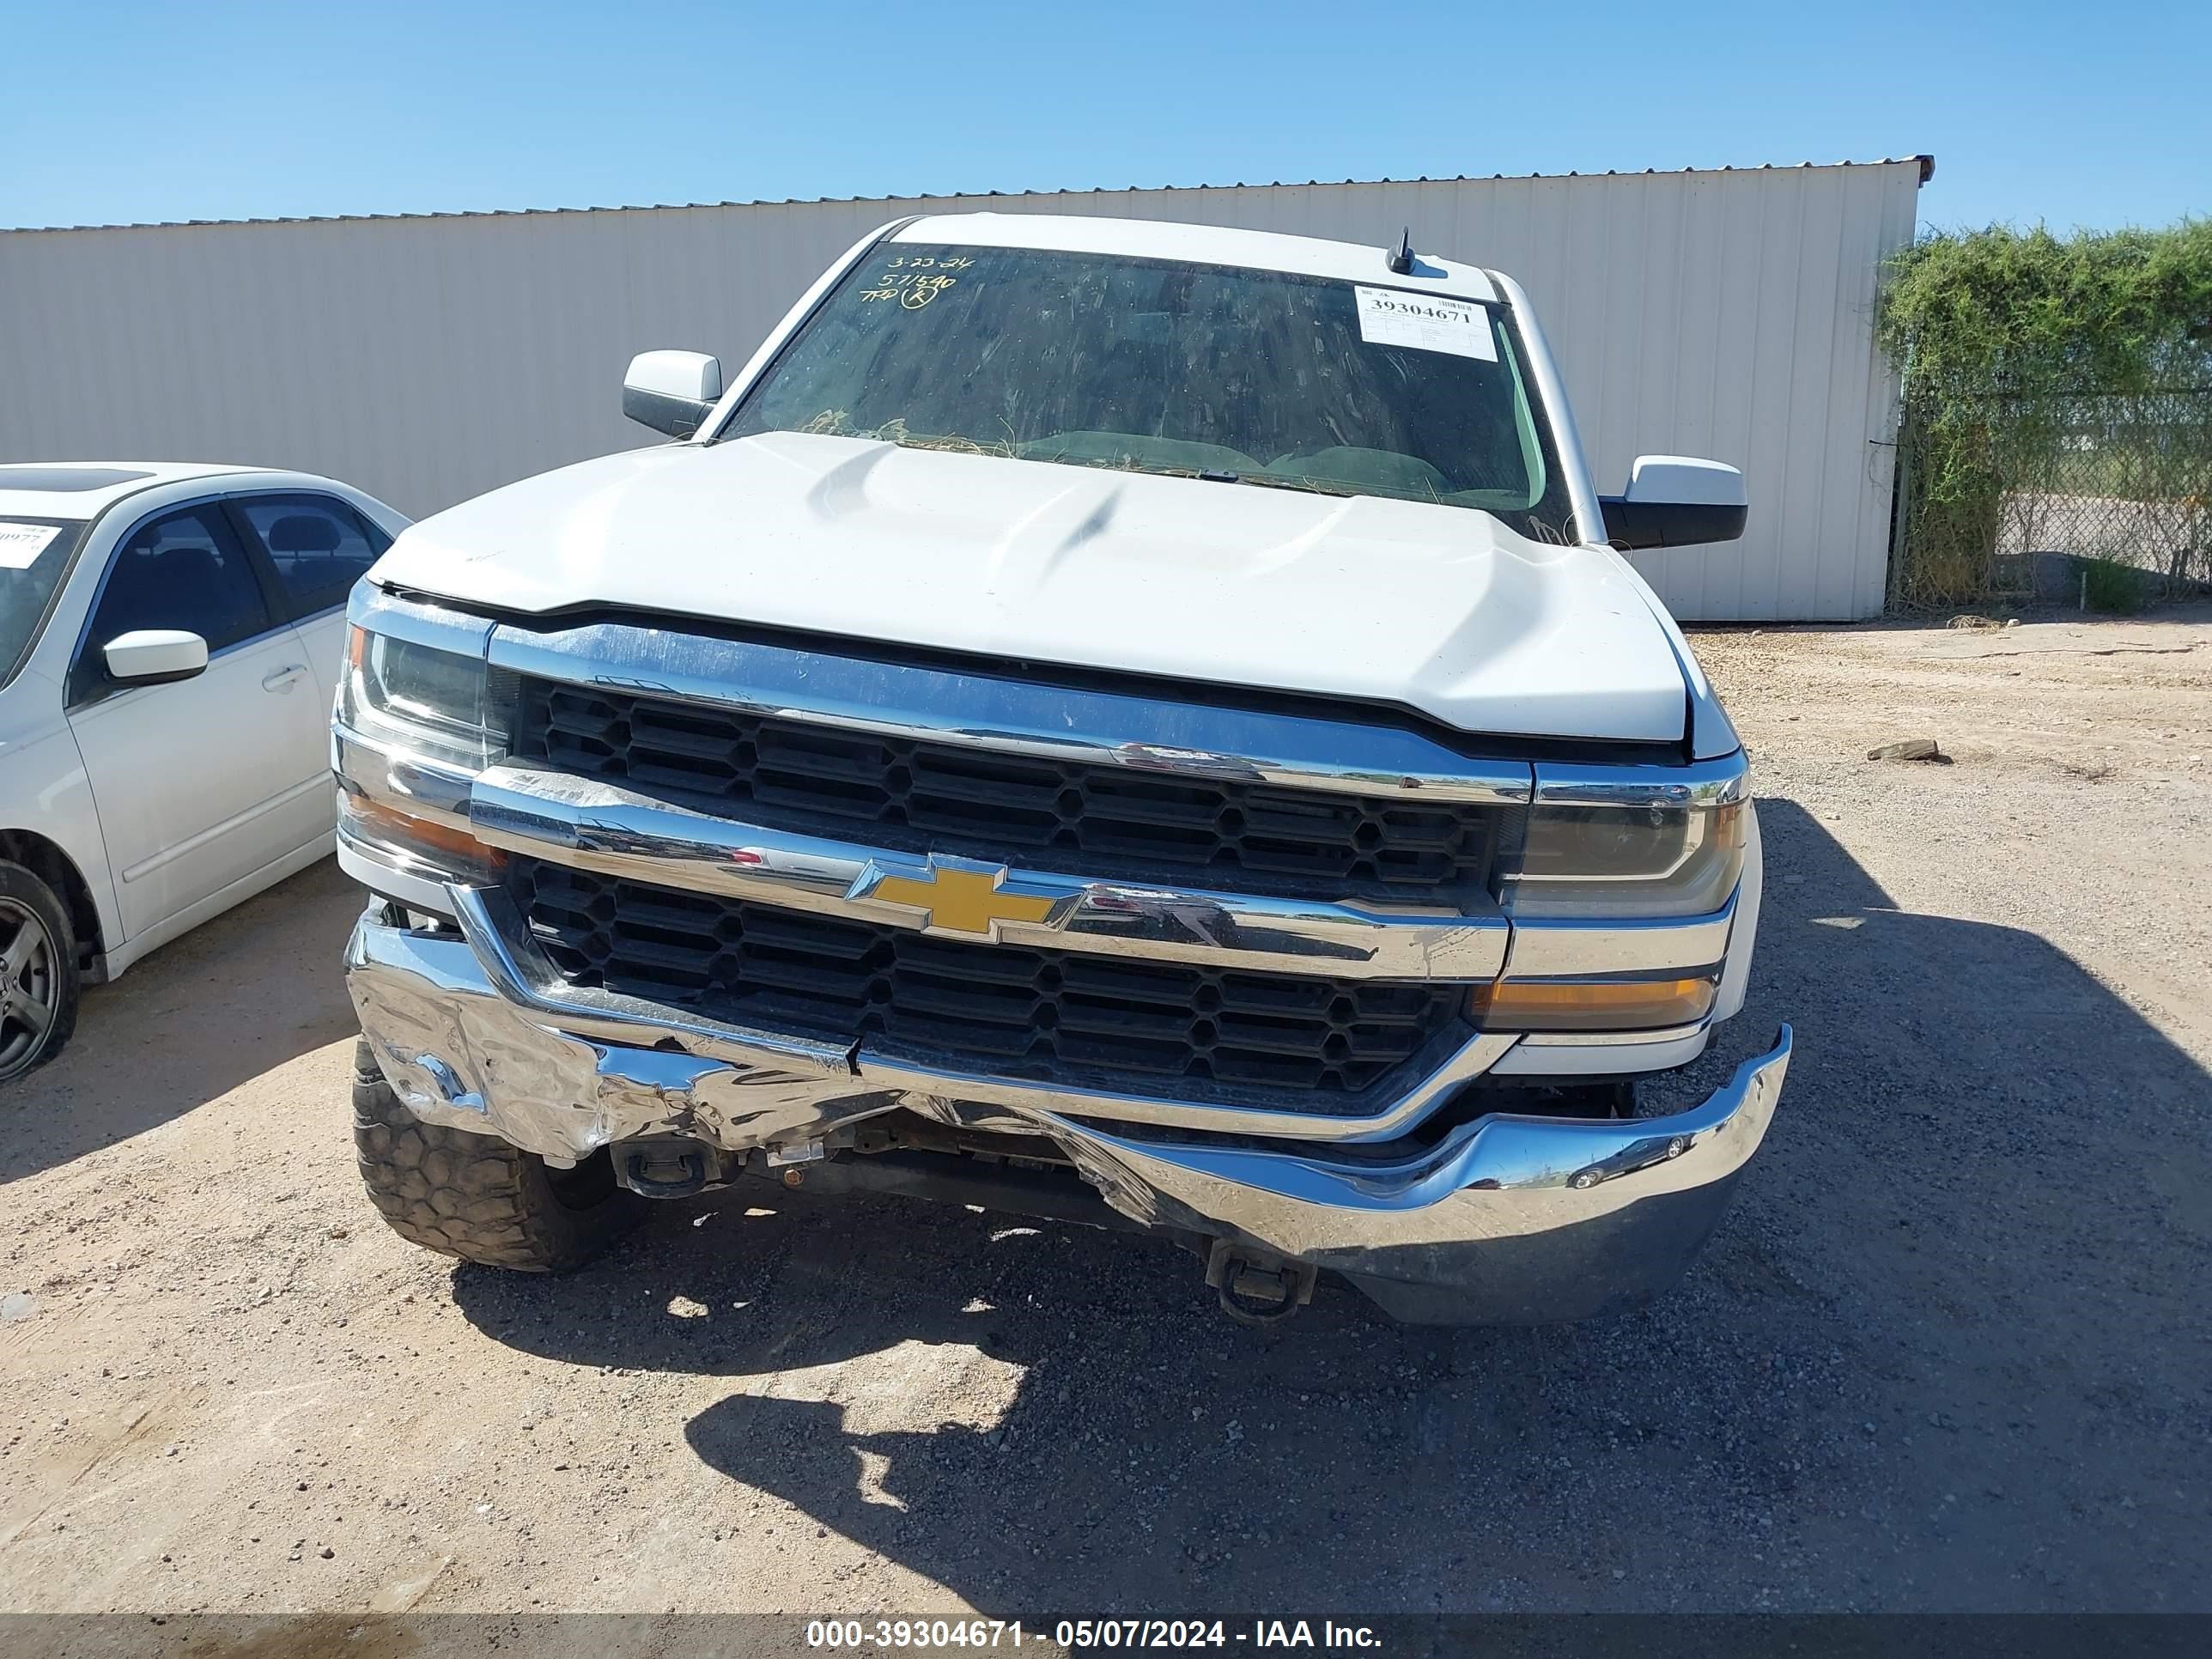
(1439, 609)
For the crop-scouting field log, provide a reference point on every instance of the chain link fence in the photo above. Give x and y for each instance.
(2102, 501)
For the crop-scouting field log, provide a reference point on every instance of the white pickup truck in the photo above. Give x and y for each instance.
(1127, 722)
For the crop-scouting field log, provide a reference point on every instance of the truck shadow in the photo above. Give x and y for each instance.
(1941, 1274)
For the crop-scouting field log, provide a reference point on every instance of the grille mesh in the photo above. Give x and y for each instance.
(922, 796)
(1033, 1014)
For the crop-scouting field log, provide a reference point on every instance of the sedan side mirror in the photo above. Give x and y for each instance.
(1675, 500)
(672, 392)
(154, 656)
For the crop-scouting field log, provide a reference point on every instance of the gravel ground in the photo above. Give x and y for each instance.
(1948, 1352)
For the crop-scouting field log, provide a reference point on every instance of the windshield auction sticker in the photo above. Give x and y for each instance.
(1390, 316)
(21, 543)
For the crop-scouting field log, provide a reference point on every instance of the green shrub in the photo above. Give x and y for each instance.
(2109, 586)
(2004, 340)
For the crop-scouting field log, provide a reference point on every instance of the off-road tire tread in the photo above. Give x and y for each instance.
(471, 1195)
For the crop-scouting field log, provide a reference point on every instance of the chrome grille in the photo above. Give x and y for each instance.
(1021, 1012)
(921, 795)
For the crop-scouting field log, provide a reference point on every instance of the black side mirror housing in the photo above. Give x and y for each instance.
(1676, 500)
(1630, 524)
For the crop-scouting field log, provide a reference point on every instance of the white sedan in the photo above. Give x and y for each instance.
(169, 640)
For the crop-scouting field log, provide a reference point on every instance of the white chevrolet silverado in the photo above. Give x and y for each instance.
(1135, 723)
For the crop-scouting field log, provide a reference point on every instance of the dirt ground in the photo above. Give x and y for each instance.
(1949, 1351)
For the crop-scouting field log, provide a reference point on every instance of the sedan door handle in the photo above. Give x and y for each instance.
(283, 678)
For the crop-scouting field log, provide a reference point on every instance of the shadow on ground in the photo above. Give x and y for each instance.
(237, 997)
(1935, 1357)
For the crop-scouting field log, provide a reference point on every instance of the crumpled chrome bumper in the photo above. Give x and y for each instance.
(1503, 1219)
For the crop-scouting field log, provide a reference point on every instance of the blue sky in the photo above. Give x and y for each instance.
(2096, 116)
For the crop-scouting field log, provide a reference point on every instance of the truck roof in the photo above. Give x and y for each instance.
(1209, 245)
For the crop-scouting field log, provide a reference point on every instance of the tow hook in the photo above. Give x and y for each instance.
(663, 1169)
(1255, 1286)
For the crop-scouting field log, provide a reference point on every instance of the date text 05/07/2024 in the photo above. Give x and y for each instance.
(1087, 1634)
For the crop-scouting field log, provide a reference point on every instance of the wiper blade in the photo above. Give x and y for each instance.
(1276, 481)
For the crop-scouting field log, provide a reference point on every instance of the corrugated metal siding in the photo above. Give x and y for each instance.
(1727, 314)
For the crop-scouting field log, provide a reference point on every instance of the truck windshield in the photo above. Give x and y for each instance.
(1264, 377)
(33, 553)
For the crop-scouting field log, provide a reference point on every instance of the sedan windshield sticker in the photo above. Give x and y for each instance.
(1390, 316)
(21, 543)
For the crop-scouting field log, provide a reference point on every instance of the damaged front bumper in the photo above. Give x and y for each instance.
(1501, 1219)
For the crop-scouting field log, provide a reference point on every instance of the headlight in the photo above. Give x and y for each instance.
(1633, 862)
(439, 705)
(1604, 848)
(415, 725)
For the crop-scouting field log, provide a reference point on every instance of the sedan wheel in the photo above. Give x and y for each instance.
(32, 984)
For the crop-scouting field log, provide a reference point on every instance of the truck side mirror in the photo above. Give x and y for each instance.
(672, 392)
(1675, 500)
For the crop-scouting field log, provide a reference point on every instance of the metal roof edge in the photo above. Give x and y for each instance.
(1925, 162)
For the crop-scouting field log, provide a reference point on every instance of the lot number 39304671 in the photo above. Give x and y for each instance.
(1067, 1633)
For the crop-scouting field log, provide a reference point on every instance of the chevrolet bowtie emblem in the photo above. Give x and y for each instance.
(962, 901)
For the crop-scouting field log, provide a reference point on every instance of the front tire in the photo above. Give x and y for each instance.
(475, 1196)
(38, 979)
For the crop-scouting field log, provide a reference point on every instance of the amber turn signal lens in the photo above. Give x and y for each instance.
(404, 832)
(1593, 1004)
(356, 646)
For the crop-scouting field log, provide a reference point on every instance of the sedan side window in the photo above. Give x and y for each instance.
(318, 546)
(181, 570)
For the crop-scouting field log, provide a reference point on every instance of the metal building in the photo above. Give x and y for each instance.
(1722, 313)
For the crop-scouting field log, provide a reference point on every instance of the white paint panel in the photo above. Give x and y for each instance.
(1724, 314)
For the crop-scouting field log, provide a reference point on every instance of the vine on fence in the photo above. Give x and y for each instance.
(2040, 370)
